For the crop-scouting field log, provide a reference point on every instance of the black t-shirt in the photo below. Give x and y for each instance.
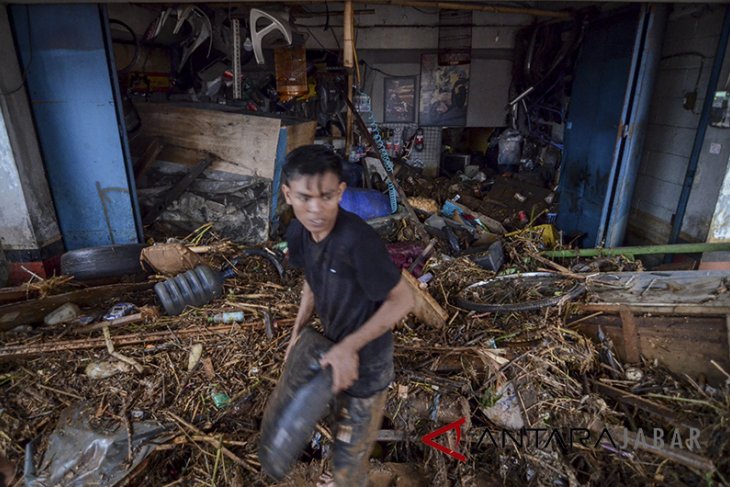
(350, 274)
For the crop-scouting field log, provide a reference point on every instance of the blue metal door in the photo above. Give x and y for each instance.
(73, 95)
(605, 124)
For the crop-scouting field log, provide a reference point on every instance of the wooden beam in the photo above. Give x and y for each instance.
(34, 310)
(32, 350)
(630, 336)
(426, 309)
(474, 7)
(348, 57)
(674, 309)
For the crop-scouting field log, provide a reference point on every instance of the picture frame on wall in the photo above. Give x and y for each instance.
(399, 95)
(444, 93)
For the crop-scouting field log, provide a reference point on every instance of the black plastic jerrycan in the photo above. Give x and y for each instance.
(195, 287)
(300, 400)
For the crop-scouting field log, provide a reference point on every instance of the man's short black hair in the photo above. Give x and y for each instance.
(311, 160)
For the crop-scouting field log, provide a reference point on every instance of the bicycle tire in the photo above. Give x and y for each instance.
(573, 293)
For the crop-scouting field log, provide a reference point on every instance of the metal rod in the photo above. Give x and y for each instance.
(701, 128)
(694, 248)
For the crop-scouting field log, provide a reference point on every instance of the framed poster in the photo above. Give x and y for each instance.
(399, 94)
(444, 93)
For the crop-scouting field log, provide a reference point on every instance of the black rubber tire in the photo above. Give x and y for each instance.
(102, 262)
(573, 293)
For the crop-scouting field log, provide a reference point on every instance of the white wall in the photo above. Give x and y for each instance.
(27, 214)
(671, 132)
(394, 38)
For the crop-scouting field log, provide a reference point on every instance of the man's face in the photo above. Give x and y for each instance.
(315, 200)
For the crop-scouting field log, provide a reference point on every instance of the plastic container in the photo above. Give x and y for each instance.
(192, 288)
(366, 203)
(299, 401)
(291, 72)
(227, 317)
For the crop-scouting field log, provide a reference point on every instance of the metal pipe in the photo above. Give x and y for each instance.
(701, 128)
(693, 248)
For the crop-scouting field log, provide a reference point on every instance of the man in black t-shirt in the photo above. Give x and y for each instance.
(358, 294)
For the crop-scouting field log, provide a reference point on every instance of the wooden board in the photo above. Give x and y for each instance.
(426, 308)
(247, 143)
(708, 289)
(684, 345)
(300, 134)
(34, 310)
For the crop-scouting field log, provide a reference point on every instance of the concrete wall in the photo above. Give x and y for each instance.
(27, 214)
(671, 132)
(392, 40)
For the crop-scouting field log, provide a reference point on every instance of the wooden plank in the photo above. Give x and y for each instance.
(679, 309)
(630, 336)
(248, 143)
(681, 344)
(660, 289)
(426, 309)
(33, 350)
(34, 310)
(13, 294)
(300, 134)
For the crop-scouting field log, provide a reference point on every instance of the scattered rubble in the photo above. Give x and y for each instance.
(179, 399)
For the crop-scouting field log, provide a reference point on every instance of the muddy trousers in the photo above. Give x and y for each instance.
(358, 422)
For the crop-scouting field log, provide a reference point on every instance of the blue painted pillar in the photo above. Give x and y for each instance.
(74, 101)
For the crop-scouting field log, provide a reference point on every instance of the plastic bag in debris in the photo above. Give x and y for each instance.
(79, 454)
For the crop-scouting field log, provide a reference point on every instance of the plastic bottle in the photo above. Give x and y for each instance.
(228, 317)
(191, 288)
